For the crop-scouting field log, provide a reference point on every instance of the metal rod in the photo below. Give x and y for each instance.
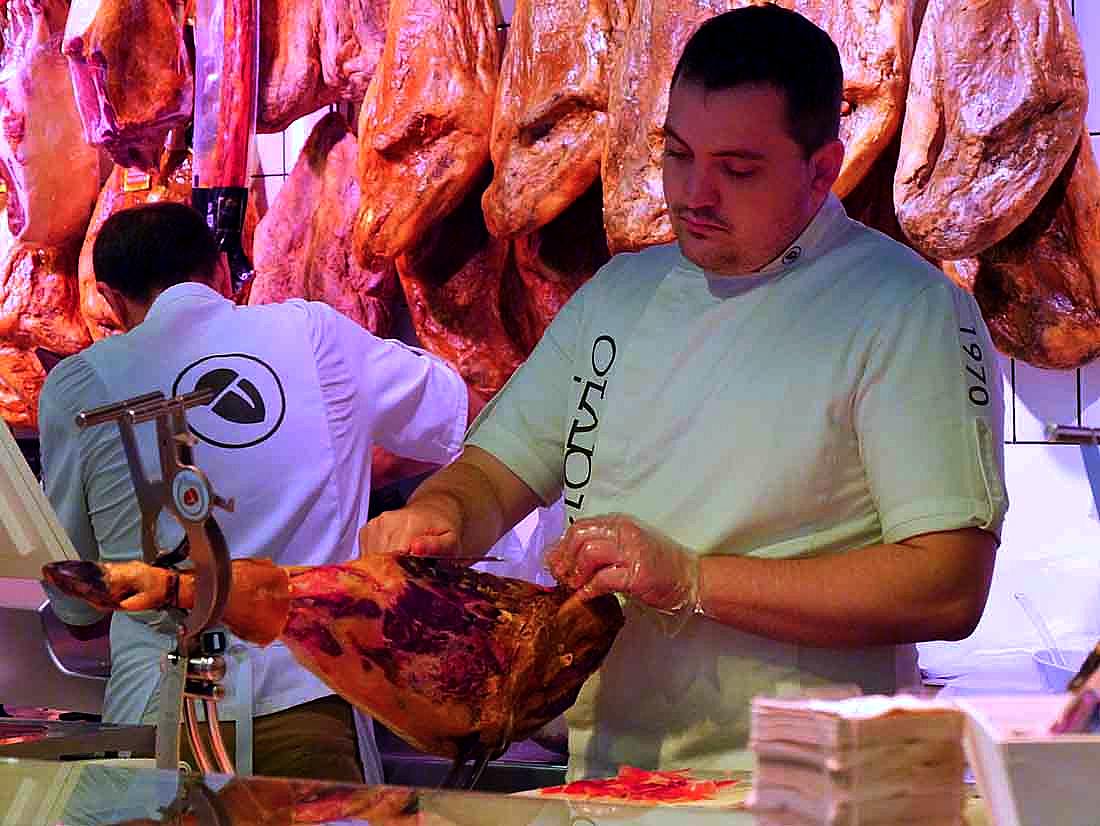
(221, 756)
(1070, 435)
(150, 410)
(112, 411)
(198, 746)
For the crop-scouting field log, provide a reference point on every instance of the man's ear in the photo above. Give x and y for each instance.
(826, 161)
(117, 303)
(222, 282)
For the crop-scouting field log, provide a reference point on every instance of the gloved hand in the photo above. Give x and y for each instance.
(617, 553)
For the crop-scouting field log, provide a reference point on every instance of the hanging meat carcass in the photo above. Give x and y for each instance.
(455, 661)
(551, 263)
(52, 177)
(550, 116)
(634, 210)
(303, 244)
(995, 108)
(39, 309)
(313, 53)
(424, 125)
(1039, 288)
(549, 129)
(455, 280)
(423, 166)
(133, 76)
(131, 73)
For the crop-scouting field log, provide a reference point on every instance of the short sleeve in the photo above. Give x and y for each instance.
(417, 403)
(524, 424)
(929, 413)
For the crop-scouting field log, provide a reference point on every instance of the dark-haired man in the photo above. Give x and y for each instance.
(778, 438)
(303, 394)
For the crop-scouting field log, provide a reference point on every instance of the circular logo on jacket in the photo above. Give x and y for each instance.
(249, 403)
(792, 255)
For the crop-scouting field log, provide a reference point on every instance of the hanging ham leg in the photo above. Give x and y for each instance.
(550, 119)
(995, 107)
(455, 281)
(171, 181)
(52, 176)
(552, 262)
(635, 214)
(304, 247)
(131, 73)
(313, 54)
(424, 125)
(1039, 288)
(451, 659)
(875, 40)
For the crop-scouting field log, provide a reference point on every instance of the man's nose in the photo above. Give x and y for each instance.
(700, 187)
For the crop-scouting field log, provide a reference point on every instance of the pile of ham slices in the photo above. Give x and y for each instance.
(491, 171)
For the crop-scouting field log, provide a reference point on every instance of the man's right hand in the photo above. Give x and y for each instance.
(421, 528)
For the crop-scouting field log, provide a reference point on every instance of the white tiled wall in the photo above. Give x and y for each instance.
(1051, 541)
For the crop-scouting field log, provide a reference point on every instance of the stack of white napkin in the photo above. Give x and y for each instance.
(862, 761)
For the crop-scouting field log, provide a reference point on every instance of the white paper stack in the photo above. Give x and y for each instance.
(862, 761)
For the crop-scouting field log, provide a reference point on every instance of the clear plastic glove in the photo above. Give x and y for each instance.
(616, 553)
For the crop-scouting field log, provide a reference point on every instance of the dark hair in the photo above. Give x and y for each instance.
(145, 249)
(771, 45)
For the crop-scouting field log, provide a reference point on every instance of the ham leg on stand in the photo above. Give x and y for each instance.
(457, 662)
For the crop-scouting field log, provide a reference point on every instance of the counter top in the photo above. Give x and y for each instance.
(38, 793)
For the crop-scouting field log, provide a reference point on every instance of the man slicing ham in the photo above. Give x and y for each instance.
(779, 439)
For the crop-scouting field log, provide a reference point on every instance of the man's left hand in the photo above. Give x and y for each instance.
(617, 553)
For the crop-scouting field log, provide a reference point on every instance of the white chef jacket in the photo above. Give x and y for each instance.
(846, 395)
(303, 394)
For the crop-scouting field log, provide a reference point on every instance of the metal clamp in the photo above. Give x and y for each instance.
(193, 669)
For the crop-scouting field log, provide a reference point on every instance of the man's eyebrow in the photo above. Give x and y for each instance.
(743, 154)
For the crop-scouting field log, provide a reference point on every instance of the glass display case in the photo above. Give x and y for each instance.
(39, 793)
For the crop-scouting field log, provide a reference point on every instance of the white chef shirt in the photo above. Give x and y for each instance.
(303, 394)
(847, 395)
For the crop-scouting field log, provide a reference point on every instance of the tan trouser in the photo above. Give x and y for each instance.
(315, 740)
